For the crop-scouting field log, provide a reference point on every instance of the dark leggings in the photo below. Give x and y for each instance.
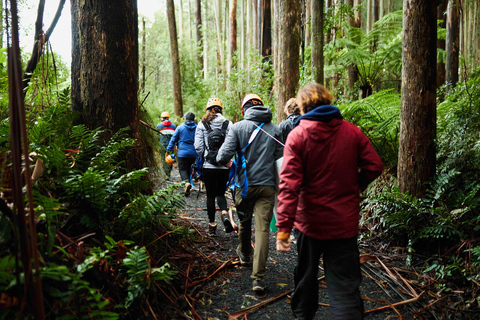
(216, 183)
(185, 167)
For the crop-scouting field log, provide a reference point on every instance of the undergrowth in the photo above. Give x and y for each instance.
(444, 225)
(94, 221)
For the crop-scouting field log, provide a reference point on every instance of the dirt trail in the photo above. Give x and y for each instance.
(228, 293)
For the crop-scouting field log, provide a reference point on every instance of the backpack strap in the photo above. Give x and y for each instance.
(207, 126)
(225, 125)
(240, 156)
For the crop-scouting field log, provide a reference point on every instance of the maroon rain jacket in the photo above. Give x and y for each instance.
(323, 166)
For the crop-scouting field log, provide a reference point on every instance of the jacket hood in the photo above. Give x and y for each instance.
(190, 125)
(166, 123)
(259, 114)
(322, 113)
(293, 117)
(218, 119)
(322, 122)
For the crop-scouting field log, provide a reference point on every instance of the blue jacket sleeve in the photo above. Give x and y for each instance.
(174, 139)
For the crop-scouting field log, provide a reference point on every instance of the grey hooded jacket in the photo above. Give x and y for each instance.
(260, 154)
(201, 144)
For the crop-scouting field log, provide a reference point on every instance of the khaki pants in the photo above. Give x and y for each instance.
(259, 202)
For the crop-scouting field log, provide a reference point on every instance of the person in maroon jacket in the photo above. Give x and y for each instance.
(327, 161)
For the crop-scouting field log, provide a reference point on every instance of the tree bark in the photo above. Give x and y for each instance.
(233, 32)
(416, 159)
(452, 44)
(198, 23)
(144, 39)
(104, 72)
(176, 77)
(218, 19)
(317, 40)
(265, 16)
(308, 25)
(105, 63)
(288, 42)
(352, 69)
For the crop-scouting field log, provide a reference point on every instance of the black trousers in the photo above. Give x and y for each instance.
(342, 273)
(216, 184)
(185, 167)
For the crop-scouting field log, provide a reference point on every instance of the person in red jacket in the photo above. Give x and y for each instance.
(327, 161)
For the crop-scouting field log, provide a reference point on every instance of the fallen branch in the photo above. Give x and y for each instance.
(203, 280)
(235, 315)
(393, 305)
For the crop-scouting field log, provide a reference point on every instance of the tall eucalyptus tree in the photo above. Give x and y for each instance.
(176, 75)
(452, 43)
(416, 158)
(288, 44)
(317, 13)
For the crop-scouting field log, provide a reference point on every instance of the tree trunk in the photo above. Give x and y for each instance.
(233, 32)
(176, 77)
(242, 35)
(266, 29)
(441, 9)
(105, 69)
(198, 23)
(369, 15)
(288, 42)
(205, 44)
(144, 38)
(308, 25)
(416, 159)
(180, 20)
(317, 40)
(218, 19)
(358, 14)
(452, 44)
(104, 73)
(352, 69)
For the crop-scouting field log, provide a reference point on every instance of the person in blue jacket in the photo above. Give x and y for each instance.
(166, 128)
(184, 137)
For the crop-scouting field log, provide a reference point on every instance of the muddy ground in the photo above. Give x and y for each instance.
(388, 290)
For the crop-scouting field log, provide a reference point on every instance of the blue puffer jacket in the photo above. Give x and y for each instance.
(184, 137)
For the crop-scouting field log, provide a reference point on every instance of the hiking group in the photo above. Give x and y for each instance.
(325, 163)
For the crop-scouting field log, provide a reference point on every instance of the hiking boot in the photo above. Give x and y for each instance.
(227, 223)
(212, 230)
(244, 260)
(258, 285)
(187, 187)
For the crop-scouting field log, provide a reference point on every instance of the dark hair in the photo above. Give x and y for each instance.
(211, 114)
(313, 95)
(190, 116)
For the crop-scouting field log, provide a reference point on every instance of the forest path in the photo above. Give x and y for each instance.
(228, 293)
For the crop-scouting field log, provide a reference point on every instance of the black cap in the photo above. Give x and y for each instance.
(189, 116)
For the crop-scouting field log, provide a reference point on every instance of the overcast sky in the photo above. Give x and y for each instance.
(61, 38)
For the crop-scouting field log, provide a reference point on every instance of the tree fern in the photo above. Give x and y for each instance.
(379, 118)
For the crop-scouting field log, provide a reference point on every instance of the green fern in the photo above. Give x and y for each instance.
(379, 118)
(141, 276)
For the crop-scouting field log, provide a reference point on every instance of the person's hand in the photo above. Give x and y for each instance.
(229, 164)
(283, 245)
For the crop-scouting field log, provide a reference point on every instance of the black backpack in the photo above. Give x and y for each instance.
(215, 139)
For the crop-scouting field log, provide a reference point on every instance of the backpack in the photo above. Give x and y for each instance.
(215, 139)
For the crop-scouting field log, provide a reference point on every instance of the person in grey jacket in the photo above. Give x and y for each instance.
(255, 180)
(214, 176)
(293, 113)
